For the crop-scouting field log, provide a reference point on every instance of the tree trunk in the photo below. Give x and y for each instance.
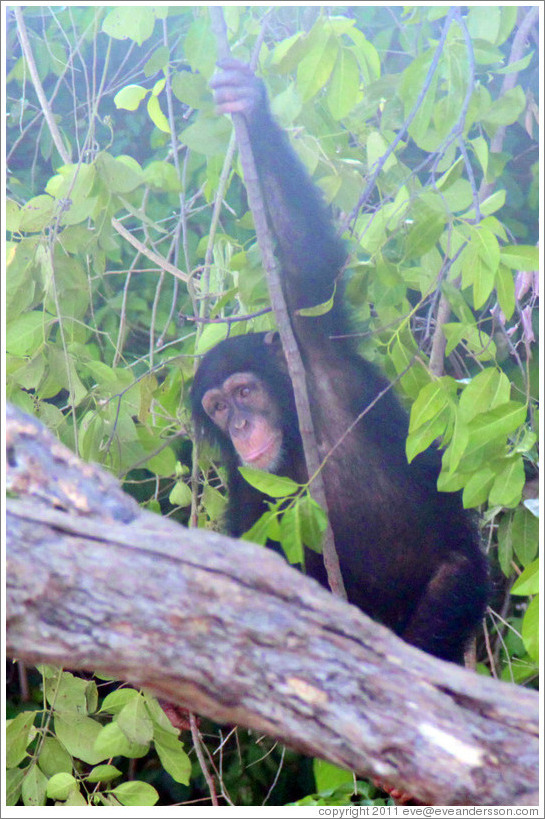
(229, 630)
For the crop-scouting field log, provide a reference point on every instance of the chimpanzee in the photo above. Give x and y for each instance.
(409, 555)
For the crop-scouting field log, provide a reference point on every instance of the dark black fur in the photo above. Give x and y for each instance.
(409, 556)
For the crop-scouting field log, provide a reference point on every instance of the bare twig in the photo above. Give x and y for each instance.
(160, 261)
(197, 744)
(38, 87)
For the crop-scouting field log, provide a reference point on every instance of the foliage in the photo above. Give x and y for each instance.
(64, 750)
(418, 125)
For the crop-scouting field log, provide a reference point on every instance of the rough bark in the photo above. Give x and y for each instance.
(229, 630)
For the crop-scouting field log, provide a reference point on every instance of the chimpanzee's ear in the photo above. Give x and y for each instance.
(273, 341)
(272, 338)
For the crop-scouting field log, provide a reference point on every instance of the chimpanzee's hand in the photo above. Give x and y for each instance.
(237, 89)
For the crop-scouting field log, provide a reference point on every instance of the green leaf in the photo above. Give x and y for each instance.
(525, 532)
(114, 702)
(402, 356)
(34, 787)
(27, 333)
(286, 106)
(208, 136)
(200, 48)
(508, 22)
(425, 435)
(518, 65)
(135, 722)
(478, 486)
(344, 92)
(290, 536)
(162, 176)
(18, 736)
(318, 309)
(158, 61)
(157, 116)
(520, 257)
(277, 486)
(190, 89)
(505, 545)
(12, 216)
(37, 213)
(54, 758)
(313, 522)
(376, 146)
(530, 629)
(458, 196)
(173, 758)
(477, 341)
(528, 582)
(505, 289)
(329, 777)
(498, 422)
(487, 247)
(457, 446)
(180, 494)
(412, 80)
(157, 714)
(78, 212)
(60, 785)
(432, 399)
(489, 205)
(130, 97)
(447, 482)
(429, 221)
(483, 22)
(14, 781)
(75, 181)
(78, 735)
(70, 693)
(103, 773)
(519, 669)
(133, 22)
(480, 147)
(366, 55)
(508, 484)
(265, 527)
(286, 54)
(488, 389)
(316, 66)
(507, 109)
(74, 800)
(136, 794)
(479, 261)
(118, 175)
(214, 502)
(111, 741)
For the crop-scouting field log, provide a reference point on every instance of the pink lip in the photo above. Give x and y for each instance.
(258, 454)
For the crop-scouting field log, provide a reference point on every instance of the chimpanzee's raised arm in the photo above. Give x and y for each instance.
(310, 252)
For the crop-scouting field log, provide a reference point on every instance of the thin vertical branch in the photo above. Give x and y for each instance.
(38, 87)
(197, 744)
(289, 343)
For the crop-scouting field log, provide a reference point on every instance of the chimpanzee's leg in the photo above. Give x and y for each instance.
(452, 605)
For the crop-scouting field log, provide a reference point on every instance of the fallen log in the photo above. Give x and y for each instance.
(229, 630)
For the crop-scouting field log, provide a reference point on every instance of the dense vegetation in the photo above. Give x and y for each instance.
(131, 251)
